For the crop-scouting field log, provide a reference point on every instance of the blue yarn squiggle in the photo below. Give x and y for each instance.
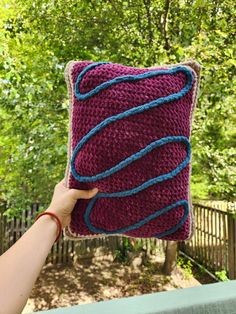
(141, 222)
(139, 154)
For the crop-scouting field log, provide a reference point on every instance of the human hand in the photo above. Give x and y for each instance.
(64, 200)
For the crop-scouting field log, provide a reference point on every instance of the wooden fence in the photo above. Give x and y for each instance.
(12, 230)
(214, 241)
(66, 251)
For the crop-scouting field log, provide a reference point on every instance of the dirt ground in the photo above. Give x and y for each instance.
(90, 281)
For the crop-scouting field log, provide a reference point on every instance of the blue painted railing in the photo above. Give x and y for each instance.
(218, 298)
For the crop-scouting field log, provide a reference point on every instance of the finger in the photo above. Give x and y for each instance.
(85, 194)
(61, 185)
(63, 182)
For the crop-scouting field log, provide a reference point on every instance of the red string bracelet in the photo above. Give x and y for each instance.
(59, 226)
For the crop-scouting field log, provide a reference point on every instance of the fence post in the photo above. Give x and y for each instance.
(232, 245)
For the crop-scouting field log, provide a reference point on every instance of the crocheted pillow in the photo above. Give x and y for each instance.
(129, 137)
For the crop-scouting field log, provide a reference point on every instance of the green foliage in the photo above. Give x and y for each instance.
(222, 275)
(122, 254)
(39, 37)
(186, 266)
(199, 186)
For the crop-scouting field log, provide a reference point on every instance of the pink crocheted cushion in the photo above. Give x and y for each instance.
(129, 137)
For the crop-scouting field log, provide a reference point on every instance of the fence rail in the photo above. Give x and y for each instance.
(221, 205)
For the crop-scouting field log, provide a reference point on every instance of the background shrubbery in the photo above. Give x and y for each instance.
(39, 37)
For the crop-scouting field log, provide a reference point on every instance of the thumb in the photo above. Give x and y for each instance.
(85, 194)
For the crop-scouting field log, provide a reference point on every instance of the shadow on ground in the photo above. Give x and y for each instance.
(88, 281)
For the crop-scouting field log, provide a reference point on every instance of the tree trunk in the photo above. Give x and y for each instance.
(170, 257)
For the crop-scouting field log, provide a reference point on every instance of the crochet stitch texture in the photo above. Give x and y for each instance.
(129, 137)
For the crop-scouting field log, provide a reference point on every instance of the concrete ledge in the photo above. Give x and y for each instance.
(217, 298)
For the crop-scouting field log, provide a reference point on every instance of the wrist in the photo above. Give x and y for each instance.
(52, 220)
(64, 219)
(48, 225)
(52, 210)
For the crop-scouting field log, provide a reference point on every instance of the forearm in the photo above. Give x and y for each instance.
(21, 264)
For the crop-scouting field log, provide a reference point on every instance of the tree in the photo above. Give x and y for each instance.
(39, 37)
(170, 257)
